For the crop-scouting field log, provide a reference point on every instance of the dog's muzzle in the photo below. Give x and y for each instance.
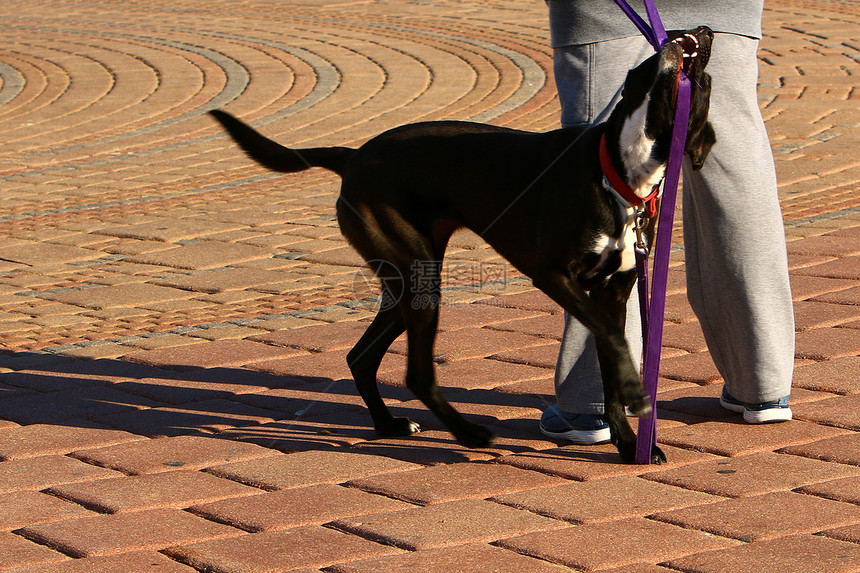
(690, 44)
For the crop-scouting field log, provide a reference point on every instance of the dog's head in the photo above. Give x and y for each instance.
(643, 120)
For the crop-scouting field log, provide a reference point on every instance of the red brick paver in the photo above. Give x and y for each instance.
(797, 554)
(15, 551)
(616, 543)
(289, 508)
(174, 394)
(475, 557)
(444, 524)
(308, 468)
(22, 508)
(450, 482)
(44, 439)
(603, 500)
(766, 516)
(46, 471)
(753, 474)
(310, 547)
(121, 563)
(169, 454)
(174, 489)
(109, 534)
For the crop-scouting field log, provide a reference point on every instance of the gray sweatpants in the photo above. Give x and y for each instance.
(734, 239)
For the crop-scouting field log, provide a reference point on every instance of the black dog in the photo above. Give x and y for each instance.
(537, 198)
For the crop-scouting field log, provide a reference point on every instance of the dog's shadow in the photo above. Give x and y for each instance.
(289, 413)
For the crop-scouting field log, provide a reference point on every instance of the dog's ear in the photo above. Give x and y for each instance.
(700, 136)
(700, 144)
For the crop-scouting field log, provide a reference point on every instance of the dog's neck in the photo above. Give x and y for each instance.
(640, 169)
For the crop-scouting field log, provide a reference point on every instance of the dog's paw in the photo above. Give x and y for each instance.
(657, 456)
(398, 427)
(628, 454)
(476, 437)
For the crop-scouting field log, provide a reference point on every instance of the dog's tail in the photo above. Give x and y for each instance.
(275, 156)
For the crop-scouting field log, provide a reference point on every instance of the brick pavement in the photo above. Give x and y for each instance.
(173, 392)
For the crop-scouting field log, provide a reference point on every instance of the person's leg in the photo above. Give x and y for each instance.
(589, 80)
(734, 239)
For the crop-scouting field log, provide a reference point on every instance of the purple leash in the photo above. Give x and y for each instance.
(652, 308)
(655, 33)
(655, 306)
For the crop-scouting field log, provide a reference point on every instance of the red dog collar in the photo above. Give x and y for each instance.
(622, 188)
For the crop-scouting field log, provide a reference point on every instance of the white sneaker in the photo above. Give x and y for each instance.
(763, 413)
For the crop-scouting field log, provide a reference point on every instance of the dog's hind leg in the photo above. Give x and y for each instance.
(409, 264)
(422, 318)
(363, 231)
(364, 360)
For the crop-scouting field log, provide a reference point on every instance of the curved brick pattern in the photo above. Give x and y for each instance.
(175, 319)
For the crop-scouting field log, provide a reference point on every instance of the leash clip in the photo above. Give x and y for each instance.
(640, 222)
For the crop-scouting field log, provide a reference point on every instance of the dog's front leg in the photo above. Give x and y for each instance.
(621, 382)
(612, 298)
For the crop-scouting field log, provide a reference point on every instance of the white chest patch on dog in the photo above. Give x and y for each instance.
(606, 245)
(635, 146)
